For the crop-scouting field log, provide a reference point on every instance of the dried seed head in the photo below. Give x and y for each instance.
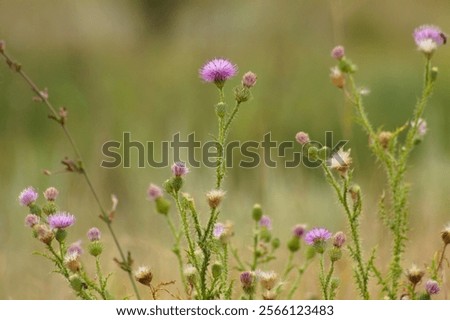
(144, 275)
(445, 235)
(384, 137)
(414, 274)
(215, 198)
(44, 234)
(267, 279)
(337, 77)
(72, 262)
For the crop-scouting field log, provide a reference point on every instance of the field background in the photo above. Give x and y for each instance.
(133, 66)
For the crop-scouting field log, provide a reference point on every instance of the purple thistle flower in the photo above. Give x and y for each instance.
(154, 192)
(94, 234)
(338, 52)
(266, 222)
(432, 287)
(339, 239)
(317, 235)
(302, 138)
(179, 169)
(249, 79)
(28, 196)
(219, 229)
(247, 278)
(61, 220)
(428, 38)
(299, 230)
(75, 248)
(218, 71)
(31, 220)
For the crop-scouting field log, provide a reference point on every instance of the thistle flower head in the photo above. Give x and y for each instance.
(302, 138)
(445, 234)
(341, 161)
(31, 220)
(339, 239)
(432, 287)
(247, 279)
(75, 248)
(154, 192)
(61, 220)
(44, 234)
(268, 279)
(71, 261)
(144, 275)
(337, 77)
(190, 273)
(249, 79)
(414, 274)
(94, 234)
(265, 222)
(223, 232)
(218, 71)
(338, 52)
(317, 235)
(299, 230)
(179, 169)
(51, 194)
(428, 38)
(28, 196)
(215, 198)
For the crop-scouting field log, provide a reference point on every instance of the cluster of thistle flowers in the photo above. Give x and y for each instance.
(49, 226)
(204, 269)
(273, 285)
(432, 285)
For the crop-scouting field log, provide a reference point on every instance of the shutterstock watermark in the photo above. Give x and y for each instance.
(129, 153)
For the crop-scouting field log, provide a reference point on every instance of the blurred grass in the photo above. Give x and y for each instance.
(132, 66)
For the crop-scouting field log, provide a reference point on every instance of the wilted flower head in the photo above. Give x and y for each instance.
(31, 220)
(28, 196)
(299, 230)
(223, 232)
(94, 234)
(71, 261)
(337, 77)
(432, 287)
(218, 71)
(248, 280)
(61, 220)
(51, 194)
(338, 52)
(317, 235)
(215, 198)
(44, 234)
(268, 279)
(75, 248)
(249, 79)
(428, 38)
(144, 275)
(302, 138)
(341, 161)
(339, 239)
(445, 235)
(266, 222)
(154, 192)
(179, 169)
(414, 274)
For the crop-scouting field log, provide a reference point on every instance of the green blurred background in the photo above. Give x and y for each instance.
(133, 66)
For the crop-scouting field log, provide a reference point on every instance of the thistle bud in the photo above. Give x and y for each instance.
(294, 244)
(248, 282)
(355, 192)
(221, 109)
(339, 239)
(335, 254)
(249, 79)
(162, 206)
(275, 243)
(217, 269)
(51, 194)
(257, 212)
(95, 248)
(49, 208)
(241, 94)
(384, 137)
(77, 283)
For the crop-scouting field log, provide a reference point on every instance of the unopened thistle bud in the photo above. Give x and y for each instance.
(355, 192)
(144, 275)
(276, 243)
(257, 212)
(241, 94)
(414, 274)
(335, 254)
(221, 109)
(384, 137)
(50, 208)
(95, 248)
(249, 79)
(215, 198)
(77, 283)
(162, 206)
(294, 244)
